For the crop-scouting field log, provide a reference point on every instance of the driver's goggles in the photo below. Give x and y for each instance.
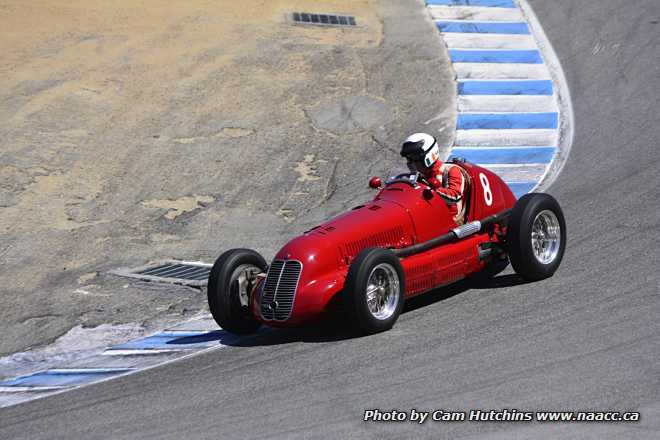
(416, 157)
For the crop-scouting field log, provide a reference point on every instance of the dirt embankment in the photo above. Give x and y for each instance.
(136, 130)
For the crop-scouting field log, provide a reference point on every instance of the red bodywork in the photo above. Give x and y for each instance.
(399, 216)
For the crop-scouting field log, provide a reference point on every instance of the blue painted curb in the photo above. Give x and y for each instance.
(64, 377)
(505, 155)
(505, 87)
(495, 56)
(483, 27)
(468, 121)
(519, 189)
(176, 340)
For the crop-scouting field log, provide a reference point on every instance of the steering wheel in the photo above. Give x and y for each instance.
(406, 178)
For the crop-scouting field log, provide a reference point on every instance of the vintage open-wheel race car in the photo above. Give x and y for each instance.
(366, 262)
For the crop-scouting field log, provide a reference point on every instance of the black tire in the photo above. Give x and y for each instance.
(519, 236)
(223, 298)
(355, 290)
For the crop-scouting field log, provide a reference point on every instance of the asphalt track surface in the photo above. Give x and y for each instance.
(588, 338)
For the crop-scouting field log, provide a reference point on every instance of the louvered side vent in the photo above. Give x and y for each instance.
(384, 239)
(420, 278)
(280, 289)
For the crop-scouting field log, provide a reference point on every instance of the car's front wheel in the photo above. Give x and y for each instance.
(374, 290)
(536, 236)
(228, 304)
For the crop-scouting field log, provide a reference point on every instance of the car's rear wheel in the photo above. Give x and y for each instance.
(536, 236)
(374, 290)
(229, 310)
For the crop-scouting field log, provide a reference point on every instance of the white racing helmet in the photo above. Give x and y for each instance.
(421, 147)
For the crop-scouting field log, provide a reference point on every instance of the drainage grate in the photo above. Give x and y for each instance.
(187, 273)
(323, 19)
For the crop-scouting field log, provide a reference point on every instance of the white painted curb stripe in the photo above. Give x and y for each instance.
(513, 165)
(506, 103)
(518, 173)
(491, 3)
(478, 13)
(140, 352)
(489, 41)
(15, 390)
(501, 71)
(506, 138)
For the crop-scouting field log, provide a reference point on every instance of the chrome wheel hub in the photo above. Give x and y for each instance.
(546, 237)
(383, 291)
(240, 282)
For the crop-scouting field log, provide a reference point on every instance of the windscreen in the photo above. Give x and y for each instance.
(402, 174)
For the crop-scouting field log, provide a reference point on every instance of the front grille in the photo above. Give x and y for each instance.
(280, 289)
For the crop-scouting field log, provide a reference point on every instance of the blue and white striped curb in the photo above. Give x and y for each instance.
(58, 378)
(509, 85)
(172, 344)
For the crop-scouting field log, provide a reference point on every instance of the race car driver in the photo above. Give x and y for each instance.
(423, 155)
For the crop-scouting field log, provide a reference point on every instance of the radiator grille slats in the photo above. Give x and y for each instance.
(280, 289)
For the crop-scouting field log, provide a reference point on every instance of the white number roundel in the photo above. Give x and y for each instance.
(488, 194)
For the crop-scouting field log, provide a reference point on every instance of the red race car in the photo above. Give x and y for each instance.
(403, 243)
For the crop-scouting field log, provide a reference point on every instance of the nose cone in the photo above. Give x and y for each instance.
(314, 250)
(287, 298)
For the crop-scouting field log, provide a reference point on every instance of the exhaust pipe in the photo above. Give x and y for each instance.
(456, 233)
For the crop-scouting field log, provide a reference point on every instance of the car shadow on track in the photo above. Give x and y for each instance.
(488, 279)
(333, 328)
(508, 280)
(324, 331)
(446, 292)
